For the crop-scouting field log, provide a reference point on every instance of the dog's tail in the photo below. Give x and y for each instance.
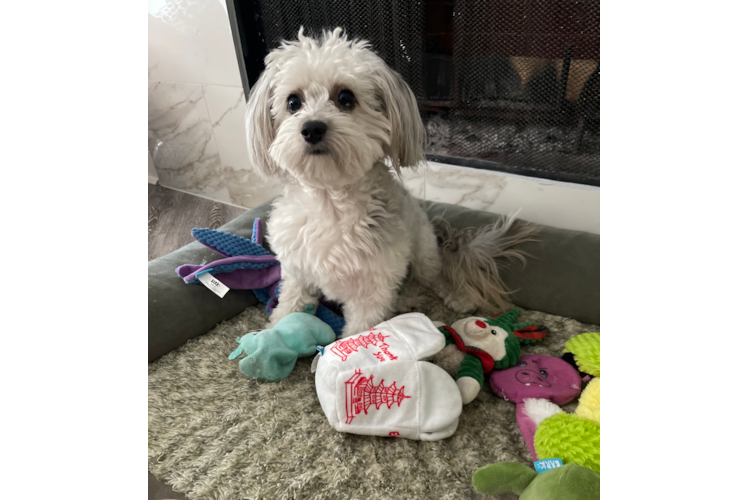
(472, 258)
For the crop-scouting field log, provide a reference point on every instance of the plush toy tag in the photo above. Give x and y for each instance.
(315, 361)
(213, 284)
(548, 464)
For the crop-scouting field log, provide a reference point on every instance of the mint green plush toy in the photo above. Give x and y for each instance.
(271, 354)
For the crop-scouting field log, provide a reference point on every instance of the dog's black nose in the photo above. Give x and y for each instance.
(313, 132)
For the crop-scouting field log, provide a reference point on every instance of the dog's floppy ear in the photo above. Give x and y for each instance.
(259, 125)
(406, 127)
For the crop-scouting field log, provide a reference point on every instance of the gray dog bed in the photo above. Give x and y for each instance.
(215, 434)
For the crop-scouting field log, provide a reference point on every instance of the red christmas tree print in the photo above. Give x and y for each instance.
(360, 394)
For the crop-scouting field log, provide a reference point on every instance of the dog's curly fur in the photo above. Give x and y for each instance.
(345, 226)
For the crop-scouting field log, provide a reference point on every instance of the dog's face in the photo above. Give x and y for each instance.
(324, 111)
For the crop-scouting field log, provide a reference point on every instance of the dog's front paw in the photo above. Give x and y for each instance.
(350, 330)
(409, 302)
(274, 319)
(459, 304)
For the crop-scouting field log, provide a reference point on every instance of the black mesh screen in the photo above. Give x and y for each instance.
(509, 85)
(394, 28)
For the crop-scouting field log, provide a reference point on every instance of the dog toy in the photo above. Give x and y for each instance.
(571, 439)
(534, 383)
(552, 436)
(376, 382)
(570, 481)
(271, 354)
(248, 266)
(477, 345)
(583, 352)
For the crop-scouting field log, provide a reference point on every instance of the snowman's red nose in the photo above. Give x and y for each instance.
(480, 324)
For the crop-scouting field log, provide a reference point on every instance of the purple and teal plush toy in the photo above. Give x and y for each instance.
(247, 265)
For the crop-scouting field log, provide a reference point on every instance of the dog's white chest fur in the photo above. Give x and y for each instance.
(339, 240)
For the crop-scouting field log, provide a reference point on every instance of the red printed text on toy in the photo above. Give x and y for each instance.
(345, 348)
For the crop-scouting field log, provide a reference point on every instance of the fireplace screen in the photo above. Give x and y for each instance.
(506, 85)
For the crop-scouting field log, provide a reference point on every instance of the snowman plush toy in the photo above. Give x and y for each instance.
(477, 345)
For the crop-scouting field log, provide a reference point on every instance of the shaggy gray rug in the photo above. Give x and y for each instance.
(215, 434)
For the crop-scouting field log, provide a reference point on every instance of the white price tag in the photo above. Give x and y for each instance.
(213, 284)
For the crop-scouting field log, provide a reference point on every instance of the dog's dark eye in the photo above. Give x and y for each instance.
(493, 331)
(294, 103)
(544, 373)
(346, 98)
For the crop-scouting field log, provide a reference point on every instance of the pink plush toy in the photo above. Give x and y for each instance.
(540, 379)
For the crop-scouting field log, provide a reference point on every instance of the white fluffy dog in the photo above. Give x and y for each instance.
(326, 115)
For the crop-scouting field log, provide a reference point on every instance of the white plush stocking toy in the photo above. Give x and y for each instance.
(375, 382)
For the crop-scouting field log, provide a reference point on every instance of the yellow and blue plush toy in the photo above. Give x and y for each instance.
(271, 354)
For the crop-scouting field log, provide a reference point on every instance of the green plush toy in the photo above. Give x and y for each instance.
(568, 482)
(271, 354)
(574, 438)
(565, 436)
(583, 352)
(569, 437)
(477, 345)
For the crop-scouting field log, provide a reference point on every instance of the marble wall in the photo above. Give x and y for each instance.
(196, 104)
(196, 130)
(563, 205)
